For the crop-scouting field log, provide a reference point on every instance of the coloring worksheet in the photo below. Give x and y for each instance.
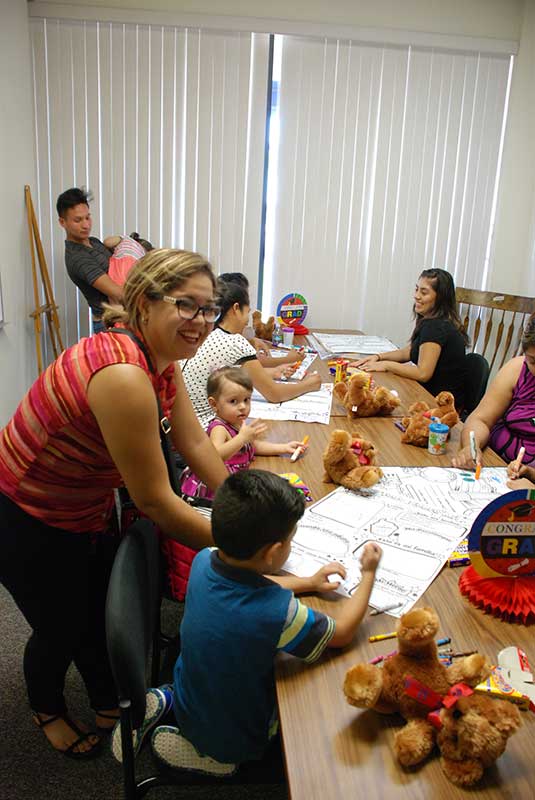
(304, 365)
(311, 407)
(417, 514)
(351, 343)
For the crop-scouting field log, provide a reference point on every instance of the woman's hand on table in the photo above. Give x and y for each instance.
(362, 363)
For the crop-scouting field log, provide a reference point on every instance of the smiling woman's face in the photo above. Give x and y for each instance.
(424, 297)
(169, 336)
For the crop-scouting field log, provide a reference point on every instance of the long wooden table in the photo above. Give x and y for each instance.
(335, 751)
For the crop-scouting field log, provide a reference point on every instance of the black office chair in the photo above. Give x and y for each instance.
(132, 630)
(477, 376)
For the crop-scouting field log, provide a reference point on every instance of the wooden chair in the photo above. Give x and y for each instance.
(479, 311)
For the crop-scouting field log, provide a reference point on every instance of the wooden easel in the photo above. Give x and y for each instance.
(49, 307)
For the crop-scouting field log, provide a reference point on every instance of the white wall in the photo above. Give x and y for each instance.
(17, 168)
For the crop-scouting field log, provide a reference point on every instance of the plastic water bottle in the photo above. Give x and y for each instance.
(276, 336)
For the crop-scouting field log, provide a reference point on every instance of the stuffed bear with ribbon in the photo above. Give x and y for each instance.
(417, 422)
(349, 460)
(361, 399)
(438, 702)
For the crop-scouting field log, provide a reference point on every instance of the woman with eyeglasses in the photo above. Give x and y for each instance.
(89, 424)
(227, 347)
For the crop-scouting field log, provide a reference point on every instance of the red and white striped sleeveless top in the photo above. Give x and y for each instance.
(54, 463)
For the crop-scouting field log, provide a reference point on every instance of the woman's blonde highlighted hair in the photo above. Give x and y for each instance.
(157, 273)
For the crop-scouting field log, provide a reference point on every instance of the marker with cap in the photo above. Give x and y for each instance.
(299, 449)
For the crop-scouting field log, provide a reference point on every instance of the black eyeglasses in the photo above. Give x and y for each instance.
(188, 308)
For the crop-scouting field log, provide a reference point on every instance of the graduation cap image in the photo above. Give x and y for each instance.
(522, 509)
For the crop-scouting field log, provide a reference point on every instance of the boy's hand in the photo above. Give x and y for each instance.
(319, 582)
(370, 557)
(255, 430)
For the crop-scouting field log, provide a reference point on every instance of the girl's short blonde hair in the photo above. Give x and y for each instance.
(157, 273)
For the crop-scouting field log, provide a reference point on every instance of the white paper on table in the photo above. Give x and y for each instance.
(310, 407)
(418, 515)
(302, 370)
(304, 366)
(352, 343)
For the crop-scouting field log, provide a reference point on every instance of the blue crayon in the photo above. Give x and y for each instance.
(446, 640)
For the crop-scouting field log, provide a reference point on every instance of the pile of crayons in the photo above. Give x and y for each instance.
(445, 656)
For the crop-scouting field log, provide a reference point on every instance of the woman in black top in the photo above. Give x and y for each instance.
(435, 355)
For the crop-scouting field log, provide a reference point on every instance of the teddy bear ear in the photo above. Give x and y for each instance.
(508, 720)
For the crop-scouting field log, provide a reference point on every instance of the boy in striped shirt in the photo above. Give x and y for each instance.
(236, 621)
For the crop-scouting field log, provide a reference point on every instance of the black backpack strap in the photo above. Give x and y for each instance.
(163, 422)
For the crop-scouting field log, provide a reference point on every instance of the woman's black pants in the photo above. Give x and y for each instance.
(59, 581)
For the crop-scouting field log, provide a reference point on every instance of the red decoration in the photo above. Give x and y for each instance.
(428, 697)
(512, 599)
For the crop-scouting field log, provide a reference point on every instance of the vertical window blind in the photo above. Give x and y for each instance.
(165, 125)
(388, 163)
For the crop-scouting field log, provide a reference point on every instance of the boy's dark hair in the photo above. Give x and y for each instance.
(229, 293)
(234, 277)
(253, 508)
(71, 198)
(232, 374)
(145, 244)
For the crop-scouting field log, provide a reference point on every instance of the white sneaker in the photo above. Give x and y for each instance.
(159, 701)
(175, 751)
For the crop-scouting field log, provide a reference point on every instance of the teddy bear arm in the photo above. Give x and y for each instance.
(414, 742)
(471, 670)
(462, 773)
(363, 685)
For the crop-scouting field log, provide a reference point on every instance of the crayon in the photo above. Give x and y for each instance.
(381, 636)
(445, 640)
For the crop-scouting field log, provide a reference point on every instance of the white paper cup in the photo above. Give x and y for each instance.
(287, 336)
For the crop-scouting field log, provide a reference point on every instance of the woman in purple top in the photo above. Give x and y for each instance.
(505, 417)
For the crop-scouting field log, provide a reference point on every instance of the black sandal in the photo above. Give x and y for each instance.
(83, 736)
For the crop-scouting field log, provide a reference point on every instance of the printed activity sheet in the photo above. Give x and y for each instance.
(351, 343)
(311, 407)
(304, 366)
(417, 514)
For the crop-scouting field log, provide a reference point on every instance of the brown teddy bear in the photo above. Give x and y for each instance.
(362, 401)
(263, 330)
(417, 423)
(349, 460)
(470, 730)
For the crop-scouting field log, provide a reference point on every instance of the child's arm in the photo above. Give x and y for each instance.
(352, 611)
(291, 358)
(515, 471)
(111, 242)
(228, 446)
(278, 448)
(319, 582)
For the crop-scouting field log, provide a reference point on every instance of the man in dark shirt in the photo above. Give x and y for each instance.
(86, 258)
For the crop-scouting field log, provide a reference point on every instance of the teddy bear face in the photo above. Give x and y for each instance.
(477, 728)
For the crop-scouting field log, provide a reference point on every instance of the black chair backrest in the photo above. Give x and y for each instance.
(132, 606)
(477, 375)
